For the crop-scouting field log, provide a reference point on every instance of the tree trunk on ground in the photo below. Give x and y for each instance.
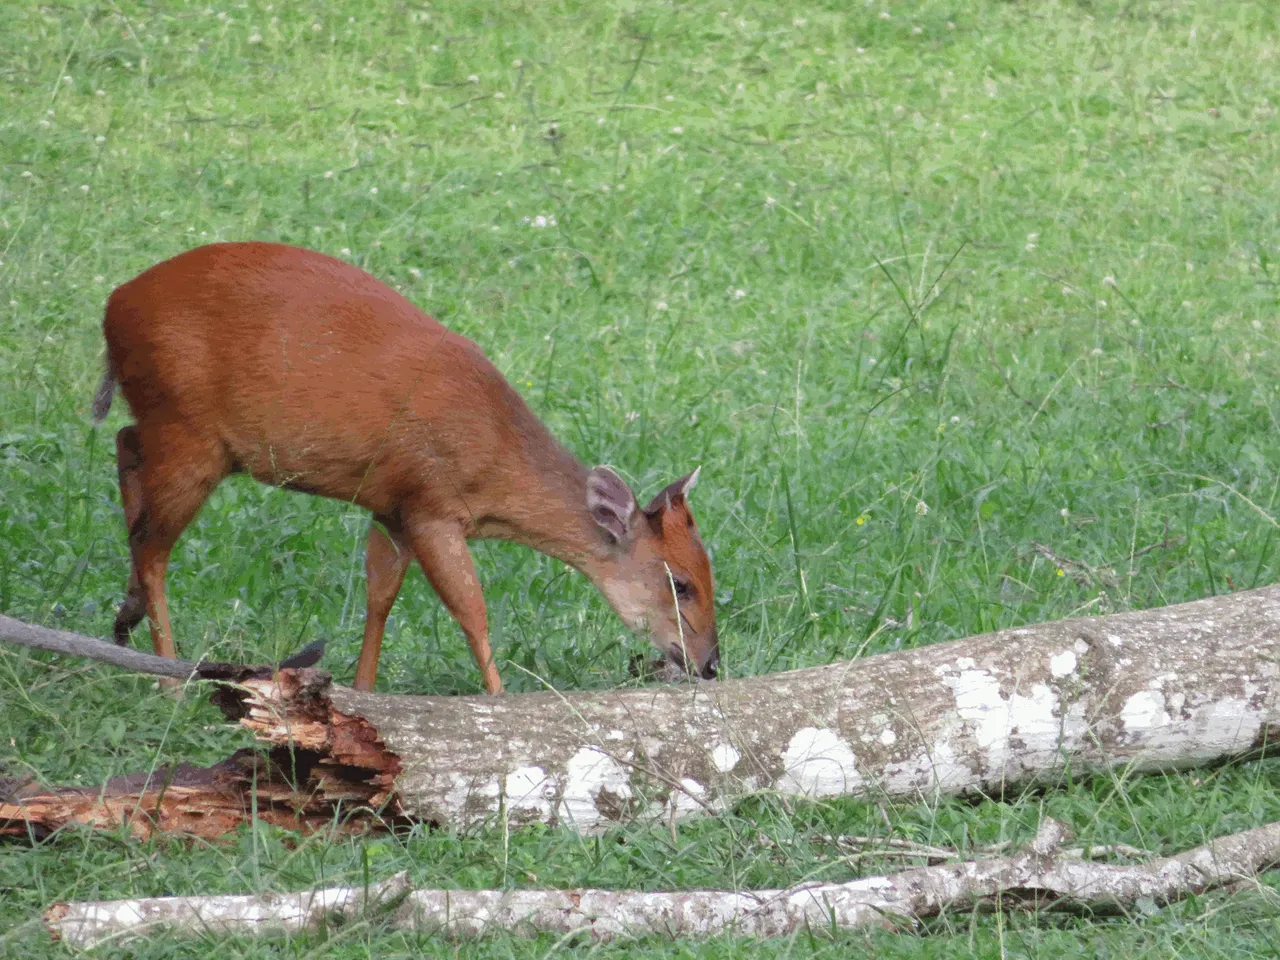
(1043, 877)
(1176, 687)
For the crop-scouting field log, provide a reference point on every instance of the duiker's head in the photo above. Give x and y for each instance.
(657, 574)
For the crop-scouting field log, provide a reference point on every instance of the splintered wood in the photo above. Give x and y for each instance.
(347, 762)
(324, 770)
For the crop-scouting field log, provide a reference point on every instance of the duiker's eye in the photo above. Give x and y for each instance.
(684, 589)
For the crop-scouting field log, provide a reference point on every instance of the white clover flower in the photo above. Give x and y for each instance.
(770, 202)
(677, 130)
(739, 293)
(473, 78)
(328, 174)
(255, 37)
(415, 272)
(345, 251)
(84, 188)
(373, 189)
(661, 307)
(99, 278)
(922, 508)
(885, 15)
(1108, 281)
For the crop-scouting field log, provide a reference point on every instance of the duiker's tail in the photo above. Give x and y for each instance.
(102, 399)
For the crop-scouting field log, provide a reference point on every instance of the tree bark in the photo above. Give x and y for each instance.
(1185, 685)
(1042, 877)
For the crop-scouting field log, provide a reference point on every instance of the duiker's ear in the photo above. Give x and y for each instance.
(687, 483)
(611, 502)
(679, 490)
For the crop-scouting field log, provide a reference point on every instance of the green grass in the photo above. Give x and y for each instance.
(1012, 262)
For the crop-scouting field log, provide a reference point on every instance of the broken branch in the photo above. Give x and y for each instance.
(77, 645)
(1041, 877)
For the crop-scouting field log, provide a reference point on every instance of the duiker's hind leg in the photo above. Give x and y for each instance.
(128, 461)
(175, 476)
(385, 565)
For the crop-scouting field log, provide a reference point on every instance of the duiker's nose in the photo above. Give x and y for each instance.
(713, 663)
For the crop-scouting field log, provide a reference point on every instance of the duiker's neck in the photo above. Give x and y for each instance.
(545, 505)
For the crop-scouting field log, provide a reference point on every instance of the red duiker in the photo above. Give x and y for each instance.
(307, 373)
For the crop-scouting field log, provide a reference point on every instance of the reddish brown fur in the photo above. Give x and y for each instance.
(308, 373)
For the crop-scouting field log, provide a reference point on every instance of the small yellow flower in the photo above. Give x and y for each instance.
(862, 518)
(1060, 573)
(942, 428)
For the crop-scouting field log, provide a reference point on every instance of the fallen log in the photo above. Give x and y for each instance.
(1181, 686)
(1042, 877)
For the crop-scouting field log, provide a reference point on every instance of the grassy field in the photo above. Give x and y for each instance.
(968, 310)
